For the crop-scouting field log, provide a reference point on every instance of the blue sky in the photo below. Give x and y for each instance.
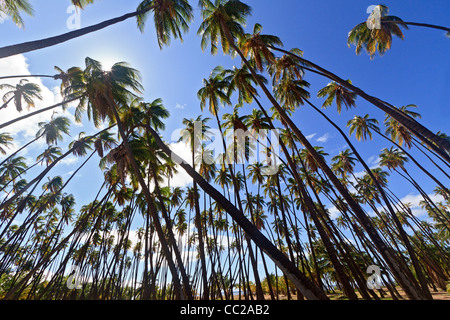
(415, 71)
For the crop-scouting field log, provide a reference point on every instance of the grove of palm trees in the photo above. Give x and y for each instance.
(235, 229)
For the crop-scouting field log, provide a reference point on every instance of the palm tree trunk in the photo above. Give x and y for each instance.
(417, 24)
(48, 42)
(3, 125)
(364, 220)
(29, 76)
(185, 278)
(22, 148)
(165, 247)
(408, 122)
(302, 283)
(386, 200)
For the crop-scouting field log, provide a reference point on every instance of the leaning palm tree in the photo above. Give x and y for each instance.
(362, 127)
(222, 21)
(178, 10)
(377, 38)
(52, 132)
(376, 33)
(334, 92)
(23, 93)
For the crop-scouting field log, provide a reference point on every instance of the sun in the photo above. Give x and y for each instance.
(108, 63)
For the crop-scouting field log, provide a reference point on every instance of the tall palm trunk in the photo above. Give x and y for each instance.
(364, 220)
(399, 226)
(185, 278)
(420, 131)
(48, 42)
(259, 291)
(3, 125)
(417, 24)
(302, 283)
(164, 245)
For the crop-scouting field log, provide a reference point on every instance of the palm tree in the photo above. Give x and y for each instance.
(308, 289)
(341, 95)
(435, 142)
(12, 9)
(178, 10)
(255, 46)
(12, 169)
(52, 131)
(286, 66)
(171, 17)
(23, 92)
(344, 163)
(49, 155)
(377, 39)
(362, 127)
(105, 91)
(194, 135)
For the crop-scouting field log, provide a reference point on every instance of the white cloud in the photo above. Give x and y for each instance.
(180, 106)
(324, 138)
(69, 160)
(311, 136)
(414, 201)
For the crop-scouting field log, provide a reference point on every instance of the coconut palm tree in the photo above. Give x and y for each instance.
(376, 39)
(334, 92)
(171, 18)
(52, 131)
(179, 11)
(363, 127)
(372, 37)
(23, 93)
(344, 163)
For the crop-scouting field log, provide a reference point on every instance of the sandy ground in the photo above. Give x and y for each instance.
(439, 295)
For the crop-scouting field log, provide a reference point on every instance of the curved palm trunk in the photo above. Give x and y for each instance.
(259, 290)
(29, 76)
(187, 287)
(408, 122)
(48, 42)
(165, 247)
(22, 148)
(403, 234)
(418, 24)
(302, 283)
(363, 218)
